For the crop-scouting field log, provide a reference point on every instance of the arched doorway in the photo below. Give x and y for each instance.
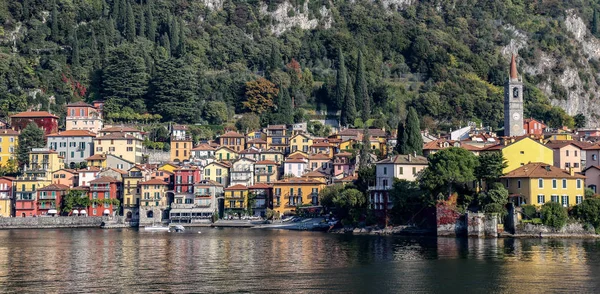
(150, 214)
(23, 214)
(129, 215)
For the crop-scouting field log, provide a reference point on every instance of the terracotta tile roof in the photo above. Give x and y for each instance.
(223, 164)
(55, 187)
(260, 186)
(187, 167)
(298, 155)
(118, 170)
(590, 167)
(541, 170)
(250, 151)
(276, 127)
(119, 129)
(318, 157)
(470, 147)
(104, 180)
(256, 141)
(97, 156)
(560, 144)
(180, 127)
(405, 159)
(229, 149)
(81, 188)
(593, 147)
(80, 104)
(232, 134)
(266, 162)
(71, 171)
(321, 144)
(347, 179)
(356, 132)
(203, 147)
(118, 136)
(8, 132)
(344, 154)
(34, 114)
(236, 187)
(314, 174)
(154, 182)
(73, 133)
(296, 180)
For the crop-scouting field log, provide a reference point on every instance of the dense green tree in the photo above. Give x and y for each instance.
(248, 122)
(260, 95)
(54, 32)
(589, 212)
(129, 24)
(182, 50)
(125, 80)
(580, 120)
(409, 200)
(275, 61)
(75, 53)
(174, 35)
(448, 168)
(150, 22)
(413, 141)
(401, 139)
(95, 56)
(284, 108)
(494, 199)
(554, 215)
(173, 91)
(340, 85)
(215, 112)
(318, 129)
(363, 101)
(349, 109)
(31, 137)
(141, 22)
(491, 167)
(75, 199)
(595, 29)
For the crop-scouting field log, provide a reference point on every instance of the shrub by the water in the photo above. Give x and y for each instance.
(554, 215)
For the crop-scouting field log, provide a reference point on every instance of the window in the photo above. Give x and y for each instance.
(111, 149)
(578, 184)
(401, 170)
(575, 153)
(575, 165)
(507, 183)
(541, 199)
(554, 198)
(129, 142)
(578, 199)
(522, 152)
(594, 157)
(129, 149)
(567, 152)
(519, 184)
(554, 184)
(98, 149)
(567, 165)
(385, 183)
(414, 171)
(385, 170)
(565, 201)
(564, 183)
(540, 183)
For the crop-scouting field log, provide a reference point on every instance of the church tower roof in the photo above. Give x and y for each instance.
(513, 68)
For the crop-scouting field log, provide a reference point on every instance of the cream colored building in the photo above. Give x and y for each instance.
(123, 145)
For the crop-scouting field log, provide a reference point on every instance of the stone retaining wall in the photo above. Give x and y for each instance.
(50, 222)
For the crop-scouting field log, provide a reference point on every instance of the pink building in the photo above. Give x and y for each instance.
(342, 165)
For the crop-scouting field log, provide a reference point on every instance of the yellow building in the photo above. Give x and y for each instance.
(168, 167)
(218, 172)
(522, 152)
(233, 140)
(181, 149)
(224, 153)
(43, 162)
(6, 193)
(300, 142)
(121, 145)
(97, 160)
(266, 171)
(560, 137)
(236, 198)
(8, 145)
(293, 192)
(347, 145)
(538, 183)
(272, 155)
(278, 138)
(131, 190)
(153, 193)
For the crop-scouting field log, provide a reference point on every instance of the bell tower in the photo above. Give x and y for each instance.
(513, 103)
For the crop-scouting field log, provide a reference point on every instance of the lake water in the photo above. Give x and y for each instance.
(251, 260)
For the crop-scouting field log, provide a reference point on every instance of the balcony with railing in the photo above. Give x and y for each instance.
(293, 200)
(241, 176)
(44, 196)
(380, 188)
(99, 188)
(264, 172)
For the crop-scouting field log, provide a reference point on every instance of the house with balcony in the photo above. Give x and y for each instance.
(321, 163)
(323, 148)
(65, 176)
(74, 145)
(131, 192)
(266, 172)
(97, 160)
(132, 132)
(272, 154)
(218, 172)
(236, 200)
(233, 140)
(402, 167)
(122, 145)
(83, 116)
(242, 172)
(6, 196)
(154, 202)
(290, 193)
(43, 162)
(256, 143)
(263, 198)
(102, 194)
(567, 155)
(200, 208)
(278, 138)
(184, 179)
(50, 199)
(203, 154)
(25, 189)
(342, 165)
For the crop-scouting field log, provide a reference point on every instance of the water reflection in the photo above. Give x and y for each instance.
(234, 260)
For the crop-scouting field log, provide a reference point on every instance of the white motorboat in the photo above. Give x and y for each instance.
(156, 228)
(177, 228)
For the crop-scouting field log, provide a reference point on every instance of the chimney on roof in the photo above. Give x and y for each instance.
(547, 168)
(571, 171)
(409, 159)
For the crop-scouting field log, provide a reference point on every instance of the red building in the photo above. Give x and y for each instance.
(50, 198)
(101, 190)
(185, 178)
(43, 119)
(533, 126)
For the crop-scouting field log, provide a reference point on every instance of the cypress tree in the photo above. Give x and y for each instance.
(349, 109)
(116, 9)
(54, 33)
(26, 12)
(413, 139)
(360, 90)
(130, 24)
(150, 24)
(182, 49)
(141, 24)
(595, 23)
(164, 41)
(95, 53)
(103, 48)
(285, 106)
(122, 17)
(105, 9)
(401, 139)
(275, 61)
(174, 35)
(75, 52)
(340, 88)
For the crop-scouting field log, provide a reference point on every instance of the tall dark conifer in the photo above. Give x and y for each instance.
(75, 51)
(181, 49)
(285, 108)
(414, 141)
(150, 24)
(340, 85)
(130, 24)
(54, 32)
(174, 35)
(141, 23)
(401, 139)
(95, 52)
(349, 108)
(360, 90)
